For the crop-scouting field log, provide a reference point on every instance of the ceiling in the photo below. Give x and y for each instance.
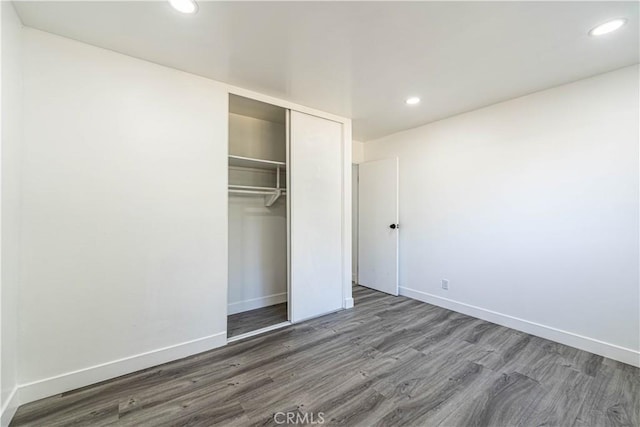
(362, 59)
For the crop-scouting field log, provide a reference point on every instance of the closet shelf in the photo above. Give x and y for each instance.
(249, 162)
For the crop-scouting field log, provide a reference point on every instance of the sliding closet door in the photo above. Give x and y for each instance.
(316, 216)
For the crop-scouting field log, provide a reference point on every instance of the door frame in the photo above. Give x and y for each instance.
(287, 124)
(355, 222)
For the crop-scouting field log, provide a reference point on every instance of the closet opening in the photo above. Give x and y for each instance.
(258, 289)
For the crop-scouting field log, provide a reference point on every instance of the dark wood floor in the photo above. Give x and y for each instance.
(241, 323)
(390, 361)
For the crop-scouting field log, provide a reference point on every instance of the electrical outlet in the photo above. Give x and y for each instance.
(445, 284)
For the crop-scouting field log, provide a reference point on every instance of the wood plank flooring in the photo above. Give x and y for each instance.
(248, 321)
(390, 361)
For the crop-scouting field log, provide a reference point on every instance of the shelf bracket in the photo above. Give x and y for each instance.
(272, 198)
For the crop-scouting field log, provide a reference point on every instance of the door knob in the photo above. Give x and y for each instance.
(394, 226)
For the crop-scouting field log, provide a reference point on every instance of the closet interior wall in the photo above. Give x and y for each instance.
(257, 232)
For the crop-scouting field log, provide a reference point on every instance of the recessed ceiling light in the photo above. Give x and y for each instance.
(608, 27)
(184, 6)
(412, 100)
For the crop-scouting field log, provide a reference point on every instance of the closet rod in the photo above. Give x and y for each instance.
(261, 192)
(250, 187)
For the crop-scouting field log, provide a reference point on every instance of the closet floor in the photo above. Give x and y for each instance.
(241, 323)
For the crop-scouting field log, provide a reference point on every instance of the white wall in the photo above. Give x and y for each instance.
(124, 197)
(257, 253)
(11, 134)
(257, 234)
(261, 139)
(357, 151)
(530, 208)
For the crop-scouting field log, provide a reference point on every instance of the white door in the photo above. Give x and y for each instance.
(316, 216)
(378, 225)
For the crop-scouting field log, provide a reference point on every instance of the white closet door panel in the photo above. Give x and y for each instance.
(316, 216)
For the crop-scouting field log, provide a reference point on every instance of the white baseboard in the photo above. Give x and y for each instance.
(348, 303)
(83, 377)
(612, 351)
(9, 408)
(252, 304)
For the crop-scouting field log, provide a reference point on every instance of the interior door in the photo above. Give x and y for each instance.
(378, 225)
(315, 192)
